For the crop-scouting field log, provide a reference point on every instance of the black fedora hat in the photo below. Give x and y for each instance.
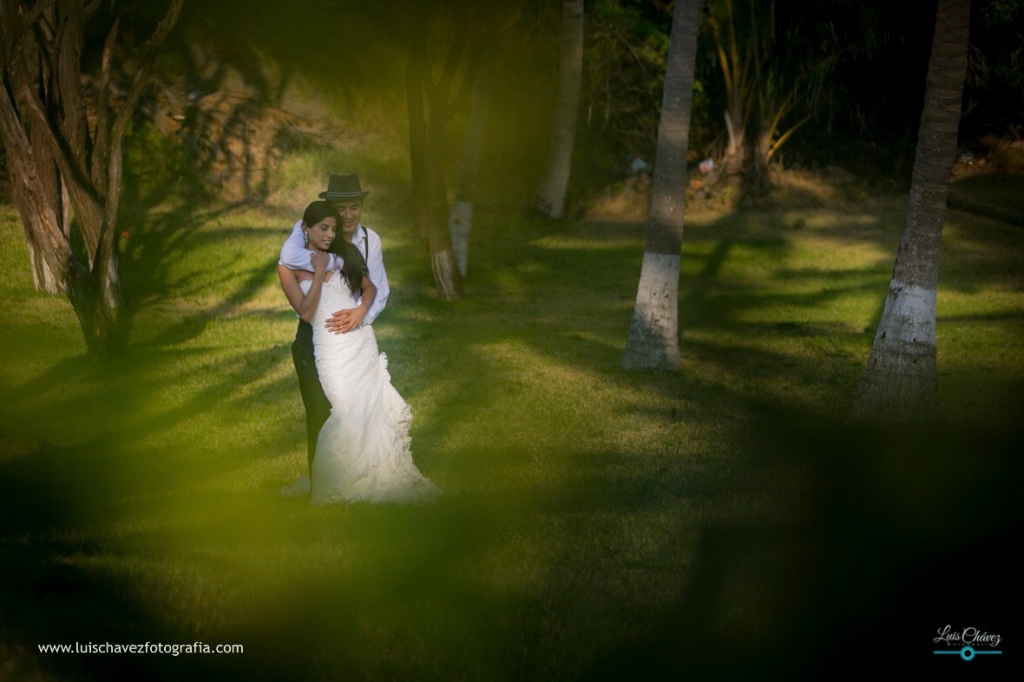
(343, 187)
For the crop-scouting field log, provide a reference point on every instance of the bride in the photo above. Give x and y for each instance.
(362, 452)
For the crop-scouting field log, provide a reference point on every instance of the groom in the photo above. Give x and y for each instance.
(346, 195)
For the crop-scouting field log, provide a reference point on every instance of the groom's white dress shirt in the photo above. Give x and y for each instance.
(295, 255)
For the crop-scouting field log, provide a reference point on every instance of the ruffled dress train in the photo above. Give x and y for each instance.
(363, 451)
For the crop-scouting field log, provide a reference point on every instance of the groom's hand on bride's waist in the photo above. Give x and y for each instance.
(345, 320)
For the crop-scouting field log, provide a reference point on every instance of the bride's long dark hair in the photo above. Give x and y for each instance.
(353, 266)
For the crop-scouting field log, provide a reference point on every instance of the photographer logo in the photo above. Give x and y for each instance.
(967, 643)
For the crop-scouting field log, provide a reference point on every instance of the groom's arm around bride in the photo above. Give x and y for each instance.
(346, 196)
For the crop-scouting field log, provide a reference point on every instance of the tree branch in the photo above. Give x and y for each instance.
(19, 149)
(62, 154)
(146, 62)
(474, 55)
(440, 100)
(15, 25)
(89, 8)
(124, 115)
(101, 151)
(67, 57)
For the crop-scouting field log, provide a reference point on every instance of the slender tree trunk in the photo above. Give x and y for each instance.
(654, 332)
(757, 177)
(426, 140)
(549, 198)
(900, 381)
(736, 149)
(734, 67)
(52, 193)
(460, 220)
(48, 248)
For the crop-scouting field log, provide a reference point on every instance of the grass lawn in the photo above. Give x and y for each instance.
(594, 523)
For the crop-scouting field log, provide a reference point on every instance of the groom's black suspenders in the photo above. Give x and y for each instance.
(366, 249)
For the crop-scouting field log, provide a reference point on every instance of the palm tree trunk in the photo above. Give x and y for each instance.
(549, 198)
(900, 381)
(654, 332)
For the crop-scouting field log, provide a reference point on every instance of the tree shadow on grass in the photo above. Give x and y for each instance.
(157, 488)
(559, 309)
(798, 573)
(997, 196)
(59, 588)
(77, 516)
(895, 534)
(155, 267)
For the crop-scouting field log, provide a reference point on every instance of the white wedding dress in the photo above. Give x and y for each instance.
(362, 453)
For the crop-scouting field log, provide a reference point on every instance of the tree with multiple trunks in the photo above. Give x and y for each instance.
(775, 60)
(64, 113)
(431, 101)
(450, 55)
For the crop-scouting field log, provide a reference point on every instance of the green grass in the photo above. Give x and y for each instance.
(592, 519)
(996, 195)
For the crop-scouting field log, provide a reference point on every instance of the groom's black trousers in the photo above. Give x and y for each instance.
(318, 408)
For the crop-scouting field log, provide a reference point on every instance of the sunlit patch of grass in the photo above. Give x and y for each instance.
(577, 497)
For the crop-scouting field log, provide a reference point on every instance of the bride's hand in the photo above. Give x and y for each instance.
(319, 259)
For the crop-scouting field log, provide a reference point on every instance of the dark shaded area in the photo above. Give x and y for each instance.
(897, 534)
(999, 196)
(231, 67)
(48, 516)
